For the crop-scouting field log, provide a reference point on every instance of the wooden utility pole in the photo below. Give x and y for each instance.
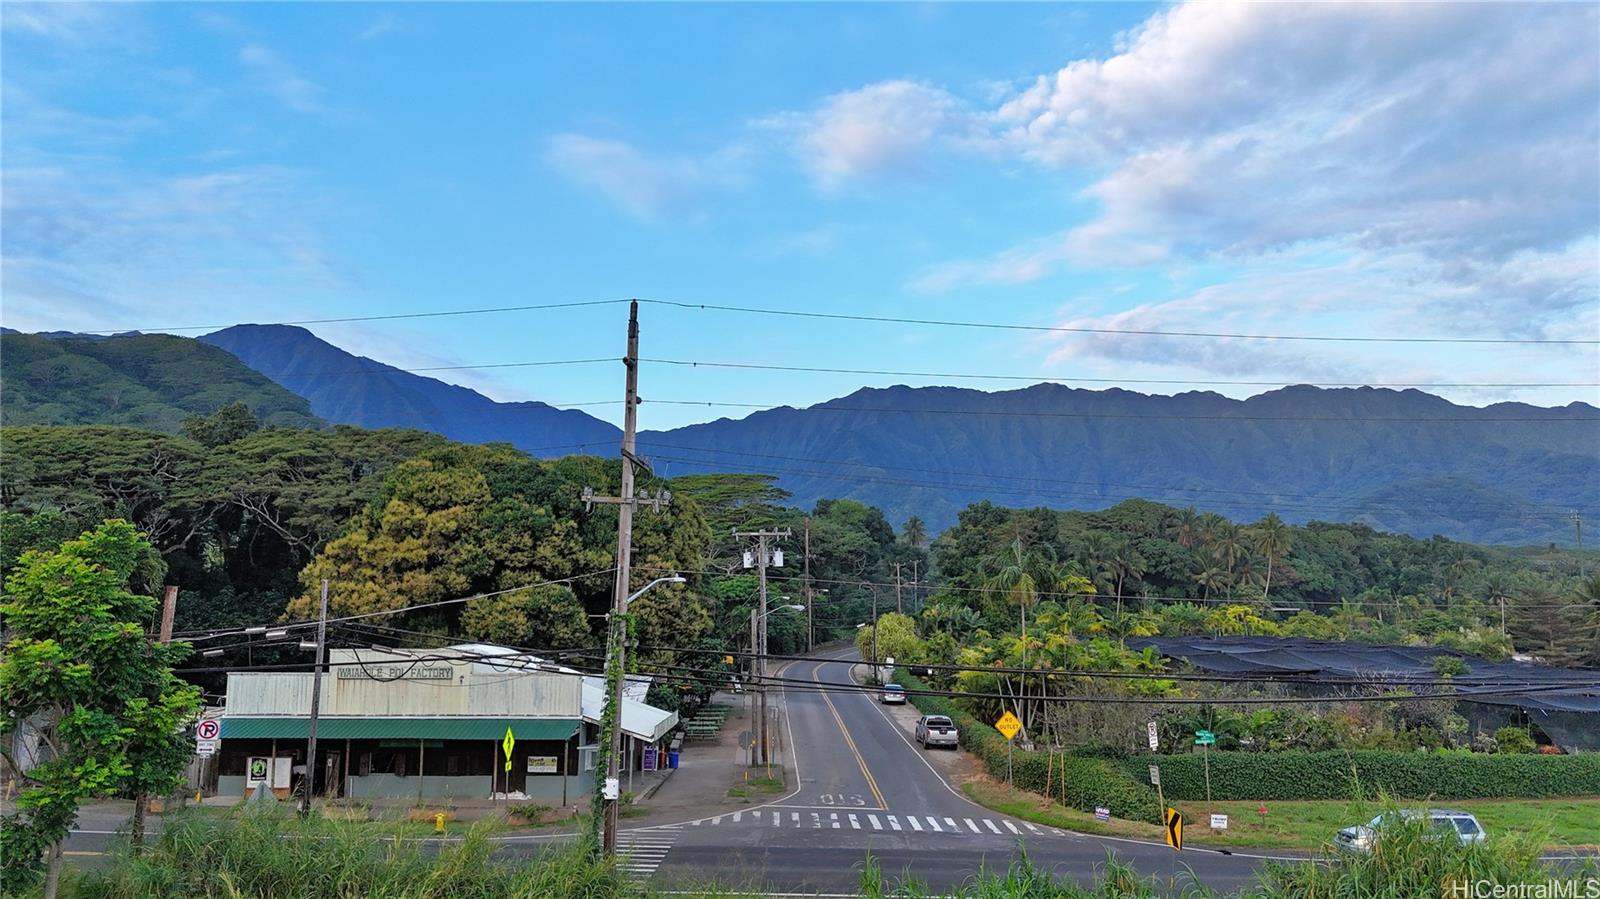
(141, 802)
(763, 558)
(316, 705)
(616, 631)
(805, 580)
(169, 610)
(898, 605)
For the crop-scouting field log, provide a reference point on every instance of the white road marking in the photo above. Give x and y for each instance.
(816, 820)
(835, 819)
(737, 816)
(1011, 827)
(990, 824)
(972, 825)
(915, 825)
(952, 824)
(1029, 825)
(934, 823)
(854, 823)
(795, 817)
(874, 820)
(893, 821)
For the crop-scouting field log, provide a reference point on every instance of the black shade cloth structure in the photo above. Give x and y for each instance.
(1562, 702)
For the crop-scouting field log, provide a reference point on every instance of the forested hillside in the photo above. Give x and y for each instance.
(1403, 461)
(148, 380)
(354, 390)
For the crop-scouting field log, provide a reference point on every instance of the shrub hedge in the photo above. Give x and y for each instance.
(1340, 775)
(1078, 781)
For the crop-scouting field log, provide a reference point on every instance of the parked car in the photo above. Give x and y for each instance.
(1443, 823)
(893, 694)
(936, 730)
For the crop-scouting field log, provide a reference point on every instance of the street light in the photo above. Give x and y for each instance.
(675, 579)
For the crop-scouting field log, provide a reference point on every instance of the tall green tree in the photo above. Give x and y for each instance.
(1272, 539)
(82, 679)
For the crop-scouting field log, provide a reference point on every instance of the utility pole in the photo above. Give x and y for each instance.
(899, 607)
(762, 559)
(141, 802)
(316, 703)
(805, 563)
(616, 630)
(914, 583)
(1577, 530)
(876, 672)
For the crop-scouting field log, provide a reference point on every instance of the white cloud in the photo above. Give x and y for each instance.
(645, 186)
(1445, 129)
(67, 23)
(281, 79)
(881, 128)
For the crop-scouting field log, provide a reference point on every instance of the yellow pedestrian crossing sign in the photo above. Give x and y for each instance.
(508, 744)
(1174, 829)
(1008, 725)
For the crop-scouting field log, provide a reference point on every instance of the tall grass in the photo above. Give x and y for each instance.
(271, 854)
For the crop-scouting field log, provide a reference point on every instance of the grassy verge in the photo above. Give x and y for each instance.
(1557, 824)
(756, 787)
(272, 853)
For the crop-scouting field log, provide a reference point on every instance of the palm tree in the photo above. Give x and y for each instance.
(1271, 538)
(1228, 546)
(1125, 563)
(1185, 529)
(1211, 578)
(914, 533)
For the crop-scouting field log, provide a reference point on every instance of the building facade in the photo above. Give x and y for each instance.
(397, 724)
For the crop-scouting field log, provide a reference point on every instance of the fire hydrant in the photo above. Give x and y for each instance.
(438, 823)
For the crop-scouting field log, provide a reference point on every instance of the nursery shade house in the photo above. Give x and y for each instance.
(1563, 703)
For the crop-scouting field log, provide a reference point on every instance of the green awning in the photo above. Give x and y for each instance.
(401, 728)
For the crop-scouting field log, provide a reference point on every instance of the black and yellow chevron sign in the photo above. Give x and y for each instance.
(1174, 829)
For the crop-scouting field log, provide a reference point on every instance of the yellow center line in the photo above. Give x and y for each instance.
(872, 783)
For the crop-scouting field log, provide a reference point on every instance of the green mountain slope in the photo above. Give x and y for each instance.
(148, 380)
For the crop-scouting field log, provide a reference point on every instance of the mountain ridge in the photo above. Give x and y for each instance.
(1398, 459)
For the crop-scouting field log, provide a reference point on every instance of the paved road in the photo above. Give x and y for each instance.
(864, 786)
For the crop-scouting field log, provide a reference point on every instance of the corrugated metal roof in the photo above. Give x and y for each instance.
(401, 728)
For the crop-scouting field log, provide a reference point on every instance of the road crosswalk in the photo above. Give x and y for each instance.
(640, 852)
(882, 822)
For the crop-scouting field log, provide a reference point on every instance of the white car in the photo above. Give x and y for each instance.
(937, 730)
(1443, 823)
(893, 694)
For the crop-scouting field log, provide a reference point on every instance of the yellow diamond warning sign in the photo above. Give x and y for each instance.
(1008, 725)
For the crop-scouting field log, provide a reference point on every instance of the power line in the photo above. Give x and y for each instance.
(1063, 329)
(1045, 378)
(1030, 479)
(1334, 508)
(829, 406)
(1062, 594)
(885, 319)
(368, 318)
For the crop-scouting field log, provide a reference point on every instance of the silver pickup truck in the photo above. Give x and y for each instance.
(937, 730)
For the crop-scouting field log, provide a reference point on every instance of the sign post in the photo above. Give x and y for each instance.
(1008, 726)
(1206, 739)
(1155, 741)
(1155, 781)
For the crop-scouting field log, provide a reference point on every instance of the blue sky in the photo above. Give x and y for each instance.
(1421, 169)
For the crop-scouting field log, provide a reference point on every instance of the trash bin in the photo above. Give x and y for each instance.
(672, 760)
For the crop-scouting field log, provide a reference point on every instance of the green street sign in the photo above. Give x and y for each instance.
(1205, 738)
